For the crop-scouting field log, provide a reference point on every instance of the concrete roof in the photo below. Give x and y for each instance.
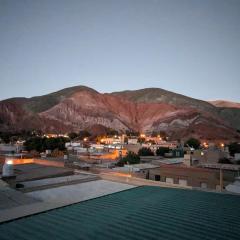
(169, 161)
(10, 198)
(14, 204)
(140, 213)
(221, 166)
(143, 166)
(32, 171)
(140, 166)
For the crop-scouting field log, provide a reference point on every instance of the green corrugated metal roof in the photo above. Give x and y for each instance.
(139, 213)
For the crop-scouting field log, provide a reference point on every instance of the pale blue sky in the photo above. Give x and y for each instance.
(188, 46)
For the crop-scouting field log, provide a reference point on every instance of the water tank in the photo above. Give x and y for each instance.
(7, 170)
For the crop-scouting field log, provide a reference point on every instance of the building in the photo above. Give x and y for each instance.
(138, 170)
(237, 157)
(211, 155)
(113, 140)
(11, 148)
(198, 157)
(132, 140)
(235, 186)
(193, 176)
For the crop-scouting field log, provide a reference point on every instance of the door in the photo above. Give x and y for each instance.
(169, 180)
(182, 182)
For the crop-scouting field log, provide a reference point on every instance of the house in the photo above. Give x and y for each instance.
(138, 170)
(193, 176)
(211, 155)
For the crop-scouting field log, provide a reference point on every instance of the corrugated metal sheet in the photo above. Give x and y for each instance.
(139, 213)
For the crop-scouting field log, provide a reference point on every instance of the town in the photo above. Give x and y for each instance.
(131, 157)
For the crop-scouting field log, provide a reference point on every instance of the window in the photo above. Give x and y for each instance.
(203, 185)
(157, 177)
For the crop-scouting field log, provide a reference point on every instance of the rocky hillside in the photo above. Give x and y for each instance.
(144, 110)
(225, 104)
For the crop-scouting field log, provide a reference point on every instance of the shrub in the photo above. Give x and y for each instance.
(145, 152)
(161, 151)
(193, 142)
(131, 158)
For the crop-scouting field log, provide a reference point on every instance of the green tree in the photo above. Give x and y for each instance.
(161, 151)
(130, 158)
(34, 143)
(193, 142)
(72, 135)
(55, 143)
(145, 152)
(41, 144)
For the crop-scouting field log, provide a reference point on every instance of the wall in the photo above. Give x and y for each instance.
(194, 176)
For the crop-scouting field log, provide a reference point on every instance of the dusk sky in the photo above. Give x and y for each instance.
(190, 47)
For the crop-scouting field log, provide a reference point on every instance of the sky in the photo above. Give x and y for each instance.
(190, 47)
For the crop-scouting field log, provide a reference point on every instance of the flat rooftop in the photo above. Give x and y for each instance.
(139, 213)
(43, 195)
(33, 171)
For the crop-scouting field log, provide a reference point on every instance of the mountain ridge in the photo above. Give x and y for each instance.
(148, 110)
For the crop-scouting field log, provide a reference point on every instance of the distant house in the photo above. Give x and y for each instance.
(10, 148)
(193, 176)
(138, 170)
(201, 156)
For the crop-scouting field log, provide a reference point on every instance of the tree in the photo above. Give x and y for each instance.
(141, 140)
(41, 144)
(154, 134)
(126, 140)
(112, 132)
(234, 148)
(130, 158)
(130, 133)
(161, 151)
(151, 142)
(83, 134)
(145, 152)
(5, 137)
(72, 135)
(193, 142)
(55, 143)
(34, 143)
(163, 135)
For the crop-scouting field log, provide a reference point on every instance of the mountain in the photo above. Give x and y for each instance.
(225, 104)
(145, 110)
(230, 111)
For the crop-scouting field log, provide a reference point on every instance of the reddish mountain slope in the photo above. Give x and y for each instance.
(142, 110)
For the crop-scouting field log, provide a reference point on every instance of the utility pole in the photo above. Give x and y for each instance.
(221, 179)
